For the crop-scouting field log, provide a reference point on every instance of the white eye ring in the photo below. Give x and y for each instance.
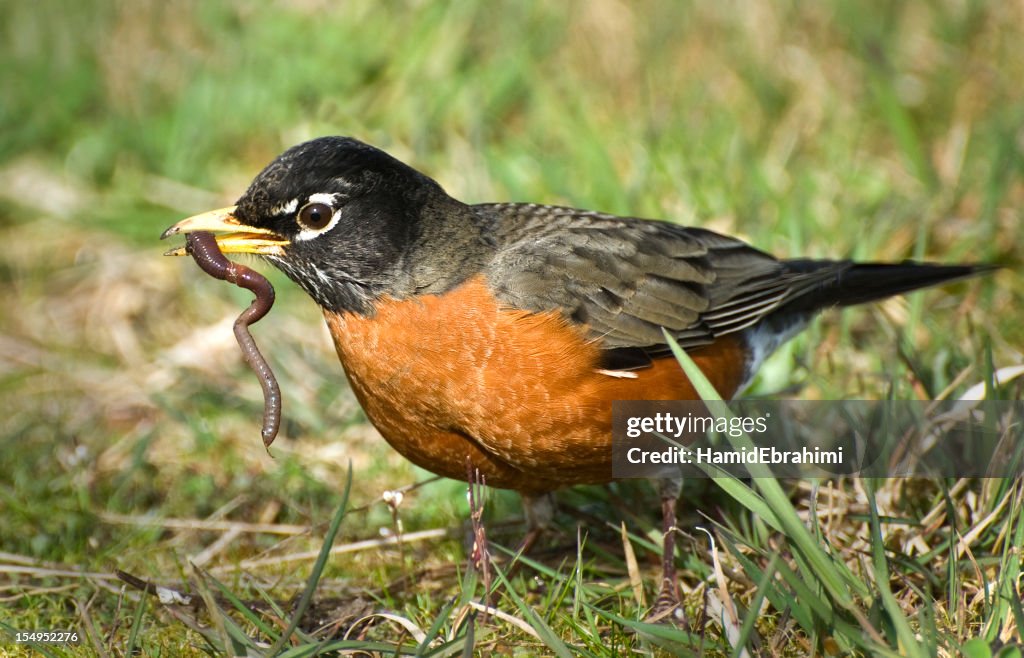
(306, 233)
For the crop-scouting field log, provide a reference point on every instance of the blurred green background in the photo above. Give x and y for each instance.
(875, 130)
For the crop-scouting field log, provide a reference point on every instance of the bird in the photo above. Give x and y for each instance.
(499, 334)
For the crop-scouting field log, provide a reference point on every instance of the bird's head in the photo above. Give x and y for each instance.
(338, 216)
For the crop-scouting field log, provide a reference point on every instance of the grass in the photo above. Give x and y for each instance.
(129, 428)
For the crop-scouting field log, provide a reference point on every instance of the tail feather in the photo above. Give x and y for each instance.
(849, 283)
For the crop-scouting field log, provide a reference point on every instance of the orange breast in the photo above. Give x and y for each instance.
(446, 377)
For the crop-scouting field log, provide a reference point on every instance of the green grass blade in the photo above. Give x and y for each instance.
(754, 611)
(908, 642)
(1009, 600)
(383, 648)
(318, 567)
(664, 632)
(240, 606)
(552, 641)
(834, 575)
(133, 635)
(435, 629)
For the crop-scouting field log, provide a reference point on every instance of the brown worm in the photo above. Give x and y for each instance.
(202, 246)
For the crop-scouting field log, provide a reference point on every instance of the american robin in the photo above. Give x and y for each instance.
(500, 333)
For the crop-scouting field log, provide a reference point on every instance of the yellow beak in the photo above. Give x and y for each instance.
(237, 239)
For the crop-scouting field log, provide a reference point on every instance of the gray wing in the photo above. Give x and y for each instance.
(626, 278)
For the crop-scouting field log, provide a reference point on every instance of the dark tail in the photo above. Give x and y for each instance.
(844, 283)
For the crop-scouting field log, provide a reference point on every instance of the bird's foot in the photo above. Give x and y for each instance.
(667, 607)
(540, 513)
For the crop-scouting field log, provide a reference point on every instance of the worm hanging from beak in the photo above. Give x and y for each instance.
(202, 246)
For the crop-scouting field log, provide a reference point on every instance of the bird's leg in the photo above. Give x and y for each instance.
(540, 513)
(480, 555)
(668, 604)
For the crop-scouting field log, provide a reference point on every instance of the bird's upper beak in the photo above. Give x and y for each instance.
(237, 237)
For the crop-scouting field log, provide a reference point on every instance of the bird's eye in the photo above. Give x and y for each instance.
(315, 216)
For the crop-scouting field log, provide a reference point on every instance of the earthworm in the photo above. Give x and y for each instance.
(202, 246)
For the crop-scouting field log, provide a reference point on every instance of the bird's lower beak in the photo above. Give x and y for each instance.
(237, 238)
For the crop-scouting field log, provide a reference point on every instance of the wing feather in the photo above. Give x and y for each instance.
(626, 278)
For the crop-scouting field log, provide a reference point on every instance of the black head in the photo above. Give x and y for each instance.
(349, 213)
